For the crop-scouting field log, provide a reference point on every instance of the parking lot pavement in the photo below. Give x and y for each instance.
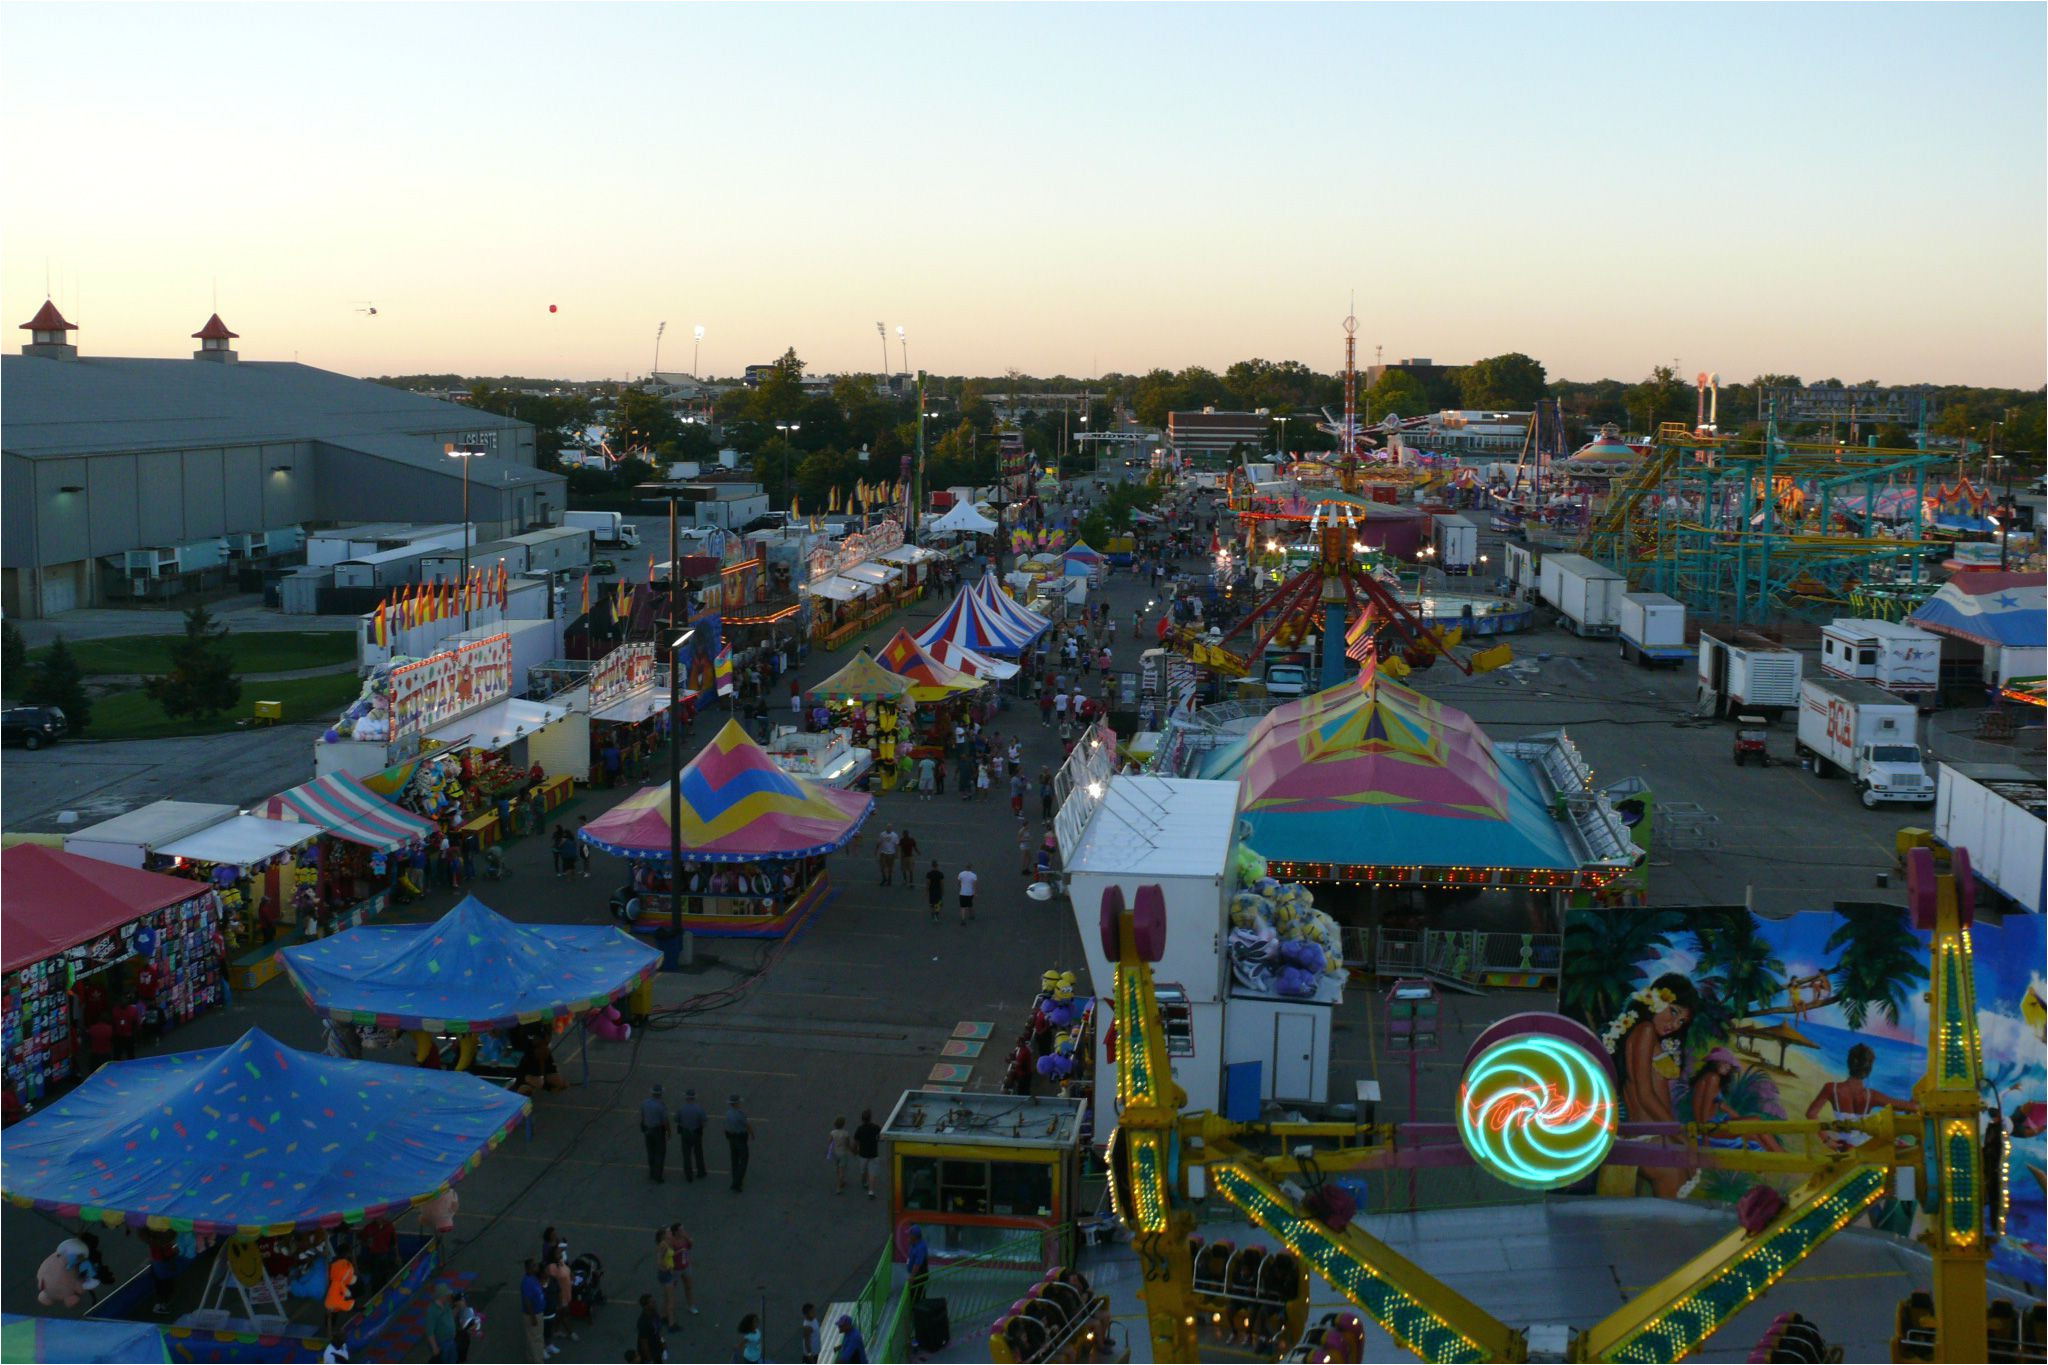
(99, 781)
(239, 614)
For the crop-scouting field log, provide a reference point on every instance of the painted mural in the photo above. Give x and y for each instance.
(1716, 1014)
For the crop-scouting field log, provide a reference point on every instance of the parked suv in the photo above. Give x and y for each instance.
(32, 726)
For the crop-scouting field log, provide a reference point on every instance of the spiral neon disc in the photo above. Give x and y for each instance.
(1537, 1111)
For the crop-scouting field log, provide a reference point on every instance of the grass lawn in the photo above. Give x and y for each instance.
(268, 651)
(132, 715)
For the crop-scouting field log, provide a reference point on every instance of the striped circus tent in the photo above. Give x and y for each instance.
(347, 809)
(1019, 616)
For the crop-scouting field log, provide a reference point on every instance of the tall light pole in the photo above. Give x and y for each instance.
(1280, 446)
(883, 332)
(785, 428)
(464, 454)
(658, 330)
(696, 345)
(675, 749)
(1083, 436)
(905, 342)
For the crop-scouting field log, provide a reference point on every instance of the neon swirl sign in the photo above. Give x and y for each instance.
(1537, 1111)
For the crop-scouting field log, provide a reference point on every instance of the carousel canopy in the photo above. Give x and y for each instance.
(738, 807)
(51, 900)
(862, 680)
(347, 809)
(2005, 609)
(253, 1137)
(962, 516)
(1378, 773)
(472, 970)
(930, 680)
(970, 623)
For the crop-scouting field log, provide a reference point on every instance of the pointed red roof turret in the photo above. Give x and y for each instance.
(215, 330)
(48, 319)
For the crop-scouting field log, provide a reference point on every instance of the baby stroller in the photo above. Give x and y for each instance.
(586, 1276)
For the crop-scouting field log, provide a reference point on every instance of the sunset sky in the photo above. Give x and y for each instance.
(1845, 190)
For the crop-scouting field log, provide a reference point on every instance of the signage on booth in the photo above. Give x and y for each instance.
(620, 674)
(857, 548)
(444, 686)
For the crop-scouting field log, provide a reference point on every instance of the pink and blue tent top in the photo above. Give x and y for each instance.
(2009, 610)
(971, 623)
(80, 1341)
(254, 1137)
(472, 970)
(738, 807)
(1381, 774)
(347, 809)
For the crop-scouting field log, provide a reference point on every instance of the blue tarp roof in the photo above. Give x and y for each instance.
(79, 1341)
(472, 968)
(254, 1137)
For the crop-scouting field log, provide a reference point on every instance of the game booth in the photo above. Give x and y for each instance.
(473, 990)
(942, 697)
(866, 707)
(259, 1177)
(89, 943)
(754, 842)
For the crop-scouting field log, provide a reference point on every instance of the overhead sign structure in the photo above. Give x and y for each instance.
(443, 686)
(620, 674)
(854, 549)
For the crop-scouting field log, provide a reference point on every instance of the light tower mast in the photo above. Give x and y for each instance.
(1350, 383)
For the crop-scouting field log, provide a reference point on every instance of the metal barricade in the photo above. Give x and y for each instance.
(1397, 952)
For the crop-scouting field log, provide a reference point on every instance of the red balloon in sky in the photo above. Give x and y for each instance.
(551, 308)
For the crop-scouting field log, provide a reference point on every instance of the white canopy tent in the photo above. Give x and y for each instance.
(241, 840)
(837, 589)
(963, 517)
(498, 725)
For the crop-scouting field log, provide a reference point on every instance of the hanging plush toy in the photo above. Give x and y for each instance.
(609, 1024)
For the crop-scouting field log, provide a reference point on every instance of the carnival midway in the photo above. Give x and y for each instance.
(1305, 925)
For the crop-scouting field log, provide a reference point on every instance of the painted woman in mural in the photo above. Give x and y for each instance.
(1854, 1099)
(1647, 1040)
(1710, 1091)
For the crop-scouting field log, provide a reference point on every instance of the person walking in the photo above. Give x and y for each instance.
(581, 848)
(468, 1325)
(1015, 756)
(934, 889)
(867, 1146)
(533, 1306)
(906, 858)
(565, 853)
(739, 1133)
(885, 853)
(927, 777)
(682, 1247)
(1045, 705)
(690, 1133)
(748, 1350)
(1016, 793)
(654, 1131)
(665, 1276)
(982, 779)
(838, 1153)
(441, 1326)
(967, 884)
(1024, 847)
(1059, 707)
(1045, 792)
(648, 1335)
(807, 1331)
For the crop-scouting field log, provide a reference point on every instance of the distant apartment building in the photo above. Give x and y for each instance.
(1213, 432)
(1420, 367)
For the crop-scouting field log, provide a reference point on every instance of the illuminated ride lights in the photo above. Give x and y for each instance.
(1537, 1107)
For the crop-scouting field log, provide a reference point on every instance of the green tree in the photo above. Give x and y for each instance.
(13, 658)
(641, 421)
(1663, 397)
(1502, 381)
(780, 396)
(56, 681)
(1398, 392)
(202, 681)
(1880, 963)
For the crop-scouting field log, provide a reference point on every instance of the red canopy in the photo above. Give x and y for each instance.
(51, 900)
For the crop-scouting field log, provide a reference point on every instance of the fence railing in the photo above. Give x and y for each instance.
(974, 1288)
(1462, 955)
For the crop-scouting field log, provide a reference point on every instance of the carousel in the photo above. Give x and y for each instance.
(753, 838)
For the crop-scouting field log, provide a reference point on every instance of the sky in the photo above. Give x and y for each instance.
(1830, 190)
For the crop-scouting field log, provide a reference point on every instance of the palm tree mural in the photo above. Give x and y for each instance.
(1604, 953)
(1730, 947)
(1881, 962)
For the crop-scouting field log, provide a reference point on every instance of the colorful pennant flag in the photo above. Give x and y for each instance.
(586, 592)
(721, 670)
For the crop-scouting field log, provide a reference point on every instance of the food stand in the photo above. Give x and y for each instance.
(85, 937)
(754, 842)
(972, 1171)
(358, 858)
(944, 697)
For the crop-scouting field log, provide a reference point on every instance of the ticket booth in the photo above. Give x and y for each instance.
(980, 1173)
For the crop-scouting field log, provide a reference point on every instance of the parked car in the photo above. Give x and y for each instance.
(32, 726)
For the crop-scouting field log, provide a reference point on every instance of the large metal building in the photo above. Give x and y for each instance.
(124, 478)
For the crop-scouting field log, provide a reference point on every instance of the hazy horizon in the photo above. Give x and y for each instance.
(1857, 191)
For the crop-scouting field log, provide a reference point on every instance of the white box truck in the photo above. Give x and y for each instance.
(1457, 544)
(1996, 813)
(608, 528)
(1653, 629)
(1741, 673)
(1897, 657)
(1586, 594)
(1861, 731)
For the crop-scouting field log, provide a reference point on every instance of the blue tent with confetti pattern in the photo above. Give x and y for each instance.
(469, 971)
(79, 1341)
(254, 1137)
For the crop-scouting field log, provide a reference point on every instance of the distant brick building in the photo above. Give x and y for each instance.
(1210, 432)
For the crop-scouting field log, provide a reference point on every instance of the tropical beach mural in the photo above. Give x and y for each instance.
(1717, 1014)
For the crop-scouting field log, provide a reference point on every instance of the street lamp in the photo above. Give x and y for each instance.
(883, 332)
(905, 342)
(675, 762)
(785, 428)
(464, 454)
